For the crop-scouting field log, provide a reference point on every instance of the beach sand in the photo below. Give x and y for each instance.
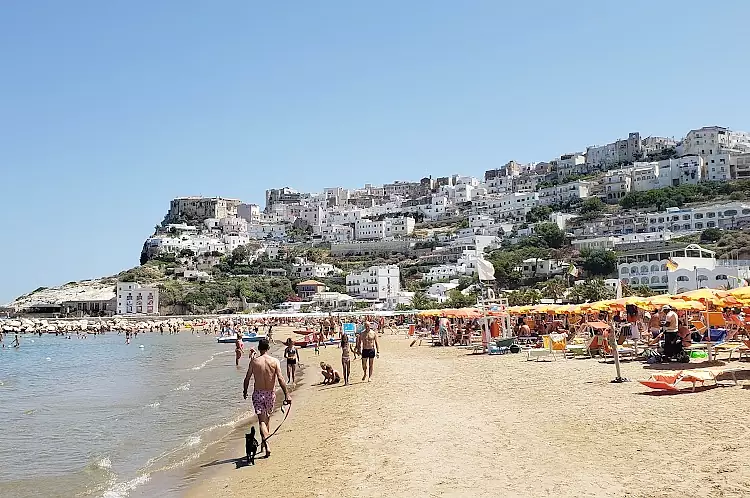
(442, 422)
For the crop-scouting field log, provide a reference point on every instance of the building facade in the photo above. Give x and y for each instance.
(135, 299)
(376, 283)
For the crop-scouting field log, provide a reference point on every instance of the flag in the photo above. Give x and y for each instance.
(671, 265)
(485, 269)
(572, 270)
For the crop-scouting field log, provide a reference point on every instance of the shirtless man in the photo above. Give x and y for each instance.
(267, 371)
(367, 344)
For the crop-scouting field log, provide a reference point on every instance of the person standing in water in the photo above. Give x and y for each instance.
(16, 342)
(367, 345)
(267, 371)
(238, 349)
(292, 358)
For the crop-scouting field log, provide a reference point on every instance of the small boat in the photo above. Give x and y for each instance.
(253, 337)
(226, 339)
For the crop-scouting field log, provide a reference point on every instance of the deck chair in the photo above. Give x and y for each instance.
(553, 344)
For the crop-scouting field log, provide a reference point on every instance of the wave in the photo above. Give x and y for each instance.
(153, 405)
(209, 360)
(123, 489)
(104, 463)
(183, 387)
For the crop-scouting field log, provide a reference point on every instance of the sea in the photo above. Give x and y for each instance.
(96, 417)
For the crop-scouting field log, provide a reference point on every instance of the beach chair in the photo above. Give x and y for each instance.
(553, 344)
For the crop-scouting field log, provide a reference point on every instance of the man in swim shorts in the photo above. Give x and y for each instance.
(267, 371)
(367, 344)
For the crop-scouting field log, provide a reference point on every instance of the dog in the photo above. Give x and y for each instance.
(251, 446)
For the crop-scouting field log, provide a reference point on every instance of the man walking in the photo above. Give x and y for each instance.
(367, 344)
(267, 371)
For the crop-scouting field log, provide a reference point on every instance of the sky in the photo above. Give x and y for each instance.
(110, 109)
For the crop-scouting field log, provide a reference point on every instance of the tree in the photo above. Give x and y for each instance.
(239, 255)
(538, 213)
(420, 301)
(595, 290)
(599, 262)
(523, 296)
(711, 235)
(592, 205)
(554, 288)
(551, 234)
(187, 253)
(456, 299)
(638, 290)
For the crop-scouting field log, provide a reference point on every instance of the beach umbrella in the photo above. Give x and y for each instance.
(715, 297)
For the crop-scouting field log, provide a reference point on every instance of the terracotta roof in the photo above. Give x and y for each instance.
(311, 282)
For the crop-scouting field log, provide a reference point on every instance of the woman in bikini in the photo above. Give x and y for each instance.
(238, 349)
(292, 357)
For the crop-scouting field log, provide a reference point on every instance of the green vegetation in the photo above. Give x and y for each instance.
(711, 235)
(551, 234)
(538, 213)
(678, 196)
(599, 262)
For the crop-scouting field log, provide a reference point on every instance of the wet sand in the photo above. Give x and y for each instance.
(441, 422)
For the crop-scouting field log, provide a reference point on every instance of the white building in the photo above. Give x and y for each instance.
(306, 270)
(626, 150)
(562, 194)
(266, 230)
(336, 233)
(440, 291)
(696, 268)
(444, 272)
(134, 299)
(711, 140)
(376, 282)
(537, 267)
(617, 183)
(249, 212)
(717, 167)
(514, 206)
(570, 164)
(388, 228)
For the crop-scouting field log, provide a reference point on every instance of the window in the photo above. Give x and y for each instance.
(701, 278)
(698, 226)
(634, 270)
(664, 267)
(644, 280)
(682, 278)
(644, 269)
(634, 281)
(711, 224)
(654, 280)
(699, 216)
(664, 279)
(624, 271)
(711, 215)
(654, 267)
(721, 277)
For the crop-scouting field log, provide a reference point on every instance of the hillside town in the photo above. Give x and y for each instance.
(613, 215)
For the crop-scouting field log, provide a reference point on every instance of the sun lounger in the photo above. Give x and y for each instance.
(553, 344)
(669, 382)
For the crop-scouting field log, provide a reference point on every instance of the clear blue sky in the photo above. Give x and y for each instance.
(109, 109)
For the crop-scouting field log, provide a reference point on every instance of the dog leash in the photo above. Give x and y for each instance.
(282, 422)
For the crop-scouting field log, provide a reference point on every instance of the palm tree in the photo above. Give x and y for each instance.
(596, 290)
(554, 288)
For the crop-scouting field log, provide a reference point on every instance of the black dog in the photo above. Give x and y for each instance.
(251, 446)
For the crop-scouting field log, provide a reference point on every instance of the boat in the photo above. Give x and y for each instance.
(253, 337)
(226, 339)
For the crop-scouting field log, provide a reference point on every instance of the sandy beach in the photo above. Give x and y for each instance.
(442, 422)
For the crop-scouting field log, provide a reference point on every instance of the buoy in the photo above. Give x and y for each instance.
(49, 359)
(141, 346)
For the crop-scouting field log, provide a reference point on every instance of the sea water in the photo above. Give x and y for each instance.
(96, 417)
